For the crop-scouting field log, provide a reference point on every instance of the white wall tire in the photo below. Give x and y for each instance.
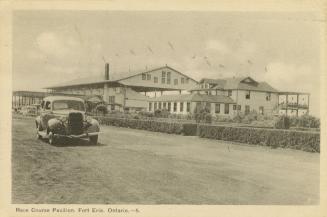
(52, 139)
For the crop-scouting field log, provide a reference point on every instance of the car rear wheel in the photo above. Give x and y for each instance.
(38, 136)
(93, 140)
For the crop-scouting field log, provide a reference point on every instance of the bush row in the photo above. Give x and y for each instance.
(306, 141)
(156, 126)
(302, 140)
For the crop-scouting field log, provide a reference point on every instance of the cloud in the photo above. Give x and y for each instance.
(218, 46)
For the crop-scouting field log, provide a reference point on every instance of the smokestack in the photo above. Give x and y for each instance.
(106, 74)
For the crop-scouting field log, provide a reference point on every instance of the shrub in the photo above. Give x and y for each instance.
(283, 122)
(190, 129)
(306, 141)
(305, 121)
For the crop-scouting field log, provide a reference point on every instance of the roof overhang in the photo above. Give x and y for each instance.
(83, 85)
(292, 93)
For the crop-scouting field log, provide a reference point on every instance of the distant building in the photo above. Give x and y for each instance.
(250, 95)
(132, 92)
(167, 88)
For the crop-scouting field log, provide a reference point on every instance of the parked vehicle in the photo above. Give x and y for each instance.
(28, 110)
(64, 116)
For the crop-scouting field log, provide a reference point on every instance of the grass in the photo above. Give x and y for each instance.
(140, 167)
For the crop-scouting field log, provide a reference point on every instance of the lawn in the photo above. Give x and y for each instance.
(140, 167)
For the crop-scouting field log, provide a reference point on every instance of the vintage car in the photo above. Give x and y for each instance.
(64, 116)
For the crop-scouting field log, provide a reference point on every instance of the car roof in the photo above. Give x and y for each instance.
(55, 98)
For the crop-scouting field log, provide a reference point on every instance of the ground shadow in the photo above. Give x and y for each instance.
(68, 142)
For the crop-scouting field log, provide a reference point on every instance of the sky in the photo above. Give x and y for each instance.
(281, 48)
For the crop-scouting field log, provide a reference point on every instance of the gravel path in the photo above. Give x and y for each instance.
(140, 167)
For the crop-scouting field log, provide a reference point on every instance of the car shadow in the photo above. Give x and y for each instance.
(68, 142)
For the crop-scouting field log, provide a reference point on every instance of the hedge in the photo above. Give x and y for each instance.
(156, 126)
(302, 140)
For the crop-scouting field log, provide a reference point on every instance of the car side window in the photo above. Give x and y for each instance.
(47, 105)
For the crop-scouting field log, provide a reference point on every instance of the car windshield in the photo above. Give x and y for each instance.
(68, 104)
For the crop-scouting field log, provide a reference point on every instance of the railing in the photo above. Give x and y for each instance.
(293, 105)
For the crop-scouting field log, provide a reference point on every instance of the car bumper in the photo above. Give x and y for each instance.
(84, 135)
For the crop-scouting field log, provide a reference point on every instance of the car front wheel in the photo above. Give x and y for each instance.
(93, 140)
(52, 139)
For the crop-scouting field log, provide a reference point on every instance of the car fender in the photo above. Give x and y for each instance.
(38, 120)
(55, 125)
(94, 126)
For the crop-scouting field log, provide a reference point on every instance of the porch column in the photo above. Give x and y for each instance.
(297, 105)
(286, 103)
(308, 103)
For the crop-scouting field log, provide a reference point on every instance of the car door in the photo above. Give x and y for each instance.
(46, 114)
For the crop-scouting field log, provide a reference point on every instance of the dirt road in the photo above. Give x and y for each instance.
(141, 167)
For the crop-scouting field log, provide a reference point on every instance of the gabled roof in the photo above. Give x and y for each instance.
(194, 97)
(240, 83)
(114, 77)
(155, 69)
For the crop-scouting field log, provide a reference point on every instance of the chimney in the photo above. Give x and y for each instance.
(106, 73)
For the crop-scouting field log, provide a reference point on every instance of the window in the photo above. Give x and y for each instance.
(261, 110)
(268, 96)
(163, 77)
(68, 104)
(164, 105)
(175, 106)
(208, 107)
(155, 79)
(168, 76)
(111, 99)
(143, 76)
(112, 107)
(230, 93)
(181, 106)
(188, 107)
(176, 81)
(182, 80)
(168, 80)
(239, 107)
(217, 108)
(234, 107)
(148, 77)
(247, 109)
(155, 106)
(198, 107)
(169, 106)
(159, 105)
(47, 105)
(226, 108)
(247, 95)
(186, 81)
(150, 106)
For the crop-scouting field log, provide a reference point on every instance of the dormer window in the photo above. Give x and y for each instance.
(143, 76)
(247, 94)
(268, 96)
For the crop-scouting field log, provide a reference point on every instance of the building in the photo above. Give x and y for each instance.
(167, 88)
(193, 102)
(129, 92)
(22, 98)
(250, 95)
